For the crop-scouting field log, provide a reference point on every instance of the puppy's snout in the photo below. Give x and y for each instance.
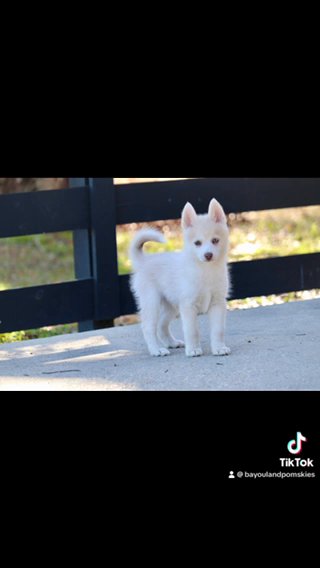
(208, 256)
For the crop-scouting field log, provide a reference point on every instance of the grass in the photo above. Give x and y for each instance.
(252, 235)
(32, 261)
(276, 233)
(49, 331)
(44, 259)
(36, 260)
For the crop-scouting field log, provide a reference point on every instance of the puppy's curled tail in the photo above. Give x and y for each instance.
(142, 237)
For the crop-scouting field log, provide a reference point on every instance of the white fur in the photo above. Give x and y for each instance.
(192, 282)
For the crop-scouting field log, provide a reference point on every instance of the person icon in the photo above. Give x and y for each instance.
(231, 476)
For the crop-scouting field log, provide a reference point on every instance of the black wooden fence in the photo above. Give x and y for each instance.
(93, 207)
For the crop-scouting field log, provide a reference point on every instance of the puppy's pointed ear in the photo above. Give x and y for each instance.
(216, 212)
(189, 216)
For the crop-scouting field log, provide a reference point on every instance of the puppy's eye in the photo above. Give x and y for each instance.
(215, 241)
(198, 243)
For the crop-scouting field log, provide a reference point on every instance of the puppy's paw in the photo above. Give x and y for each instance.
(220, 350)
(197, 352)
(176, 344)
(161, 352)
(171, 343)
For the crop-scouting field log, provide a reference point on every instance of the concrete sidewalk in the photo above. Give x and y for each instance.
(273, 348)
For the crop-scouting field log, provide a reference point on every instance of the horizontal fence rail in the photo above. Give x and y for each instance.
(92, 208)
(153, 201)
(256, 278)
(52, 304)
(44, 212)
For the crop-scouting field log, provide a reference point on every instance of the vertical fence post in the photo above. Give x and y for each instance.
(82, 250)
(95, 251)
(104, 251)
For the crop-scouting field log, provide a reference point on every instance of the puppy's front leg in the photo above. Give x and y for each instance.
(191, 331)
(217, 316)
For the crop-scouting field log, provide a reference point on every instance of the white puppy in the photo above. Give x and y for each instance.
(194, 281)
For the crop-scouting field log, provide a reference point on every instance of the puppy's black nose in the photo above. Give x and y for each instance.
(208, 256)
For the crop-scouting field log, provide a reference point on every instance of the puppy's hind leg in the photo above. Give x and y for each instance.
(150, 313)
(167, 314)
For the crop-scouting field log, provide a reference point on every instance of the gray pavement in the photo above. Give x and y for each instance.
(273, 348)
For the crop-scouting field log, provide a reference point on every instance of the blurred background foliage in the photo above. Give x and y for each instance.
(15, 185)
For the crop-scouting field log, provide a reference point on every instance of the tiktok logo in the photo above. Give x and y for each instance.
(295, 446)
